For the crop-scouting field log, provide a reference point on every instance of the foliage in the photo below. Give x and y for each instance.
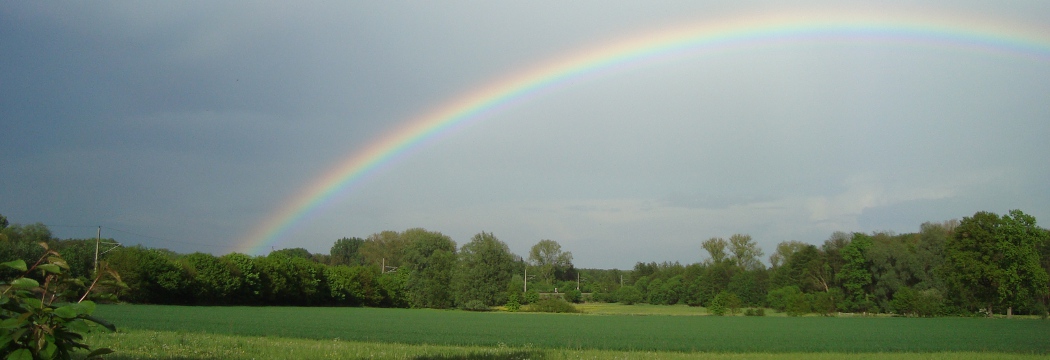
(574, 296)
(548, 259)
(724, 302)
(994, 260)
(755, 312)
(780, 298)
(513, 304)
(745, 252)
(430, 258)
(475, 305)
(483, 270)
(629, 295)
(552, 305)
(531, 296)
(346, 251)
(45, 328)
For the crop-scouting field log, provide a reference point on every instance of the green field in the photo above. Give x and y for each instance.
(526, 333)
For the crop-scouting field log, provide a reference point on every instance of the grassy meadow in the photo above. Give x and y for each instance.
(283, 332)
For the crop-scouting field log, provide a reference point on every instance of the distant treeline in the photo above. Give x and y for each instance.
(984, 264)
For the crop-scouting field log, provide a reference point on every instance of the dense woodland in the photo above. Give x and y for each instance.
(985, 264)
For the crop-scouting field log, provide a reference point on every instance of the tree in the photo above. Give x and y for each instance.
(855, 275)
(213, 281)
(431, 259)
(345, 251)
(745, 252)
(483, 271)
(548, 259)
(784, 252)
(387, 247)
(994, 260)
(716, 250)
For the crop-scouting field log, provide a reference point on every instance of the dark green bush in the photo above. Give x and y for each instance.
(755, 312)
(573, 296)
(475, 305)
(512, 301)
(629, 295)
(552, 305)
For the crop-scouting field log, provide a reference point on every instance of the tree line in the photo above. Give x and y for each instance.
(983, 264)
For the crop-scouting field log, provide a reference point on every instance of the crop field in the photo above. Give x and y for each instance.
(530, 335)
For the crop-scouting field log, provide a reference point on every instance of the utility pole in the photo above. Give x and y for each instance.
(577, 280)
(98, 241)
(526, 280)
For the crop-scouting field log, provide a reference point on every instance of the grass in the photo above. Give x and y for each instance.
(422, 327)
(148, 344)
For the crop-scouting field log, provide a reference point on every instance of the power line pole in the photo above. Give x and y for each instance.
(98, 241)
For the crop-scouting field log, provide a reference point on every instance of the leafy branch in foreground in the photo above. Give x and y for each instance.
(32, 325)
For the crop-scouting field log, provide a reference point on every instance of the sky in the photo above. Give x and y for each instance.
(189, 125)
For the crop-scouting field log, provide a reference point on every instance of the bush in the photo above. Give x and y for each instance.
(475, 305)
(552, 305)
(573, 296)
(780, 298)
(724, 302)
(799, 304)
(532, 296)
(629, 295)
(33, 326)
(512, 301)
(755, 312)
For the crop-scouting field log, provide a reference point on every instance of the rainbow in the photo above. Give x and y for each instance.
(966, 33)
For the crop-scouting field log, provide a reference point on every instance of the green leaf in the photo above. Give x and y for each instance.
(96, 320)
(33, 303)
(49, 350)
(58, 261)
(99, 352)
(24, 283)
(19, 265)
(86, 307)
(10, 323)
(20, 354)
(66, 312)
(4, 339)
(51, 268)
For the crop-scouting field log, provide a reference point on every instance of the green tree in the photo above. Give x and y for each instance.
(354, 285)
(151, 275)
(716, 250)
(993, 260)
(855, 275)
(243, 267)
(745, 252)
(386, 248)
(548, 259)
(629, 295)
(431, 259)
(483, 271)
(212, 280)
(346, 251)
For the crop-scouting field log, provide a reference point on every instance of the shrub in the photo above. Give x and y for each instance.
(512, 301)
(475, 305)
(755, 312)
(33, 327)
(629, 295)
(532, 296)
(552, 305)
(724, 302)
(799, 304)
(573, 296)
(780, 298)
